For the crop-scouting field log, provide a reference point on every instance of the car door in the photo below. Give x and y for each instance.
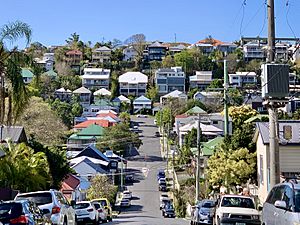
(70, 210)
(285, 215)
(269, 214)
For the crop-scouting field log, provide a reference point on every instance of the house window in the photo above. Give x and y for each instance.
(215, 122)
(261, 169)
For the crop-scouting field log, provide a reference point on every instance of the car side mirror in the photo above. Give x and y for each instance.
(280, 205)
(260, 208)
(73, 203)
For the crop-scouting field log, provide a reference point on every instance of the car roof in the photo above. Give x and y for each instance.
(237, 196)
(35, 192)
(296, 186)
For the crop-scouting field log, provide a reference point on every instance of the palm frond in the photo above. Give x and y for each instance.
(15, 30)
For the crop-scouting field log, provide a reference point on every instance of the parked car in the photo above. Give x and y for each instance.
(127, 194)
(157, 134)
(164, 202)
(236, 209)
(141, 116)
(282, 205)
(129, 178)
(53, 204)
(162, 180)
(86, 212)
(102, 216)
(168, 211)
(162, 187)
(204, 212)
(163, 196)
(107, 206)
(22, 212)
(125, 202)
(161, 174)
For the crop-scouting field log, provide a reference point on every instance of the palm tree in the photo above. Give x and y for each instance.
(11, 61)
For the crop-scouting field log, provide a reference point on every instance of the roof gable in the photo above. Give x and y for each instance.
(142, 99)
(26, 73)
(93, 152)
(82, 90)
(92, 130)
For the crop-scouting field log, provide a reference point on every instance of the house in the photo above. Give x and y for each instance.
(102, 92)
(70, 187)
(63, 94)
(121, 99)
(100, 104)
(201, 80)
(226, 47)
(255, 101)
(294, 52)
(170, 79)
(289, 153)
(84, 96)
(253, 50)
(241, 79)
(207, 150)
(15, 133)
(156, 51)
(176, 49)
(94, 121)
(49, 56)
(282, 51)
(133, 83)
(173, 95)
(87, 135)
(27, 75)
(209, 97)
(293, 105)
(129, 53)
(46, 64)
(73, 59)
(208, 45)
(50, 73)
(205, 48)
(101, 55)
(209, 131)
(141, 103)
(95, 78)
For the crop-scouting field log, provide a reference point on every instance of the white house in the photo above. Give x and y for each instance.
(133, 83)
(102, 92)
(142, 103)
(201, 80)
(174, 95)
(129, 53)
(96, 78)
(170, 79)
(289, 153)
(240, 79)
(63, 94)
(209, 97)
(84, 96)
(210, 131)
(254, 50)
(87, 169)
(101, 55)
(121, 99)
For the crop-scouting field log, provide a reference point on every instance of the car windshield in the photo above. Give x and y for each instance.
(37, 198)
(169, 207)
(97, 205)
(103, 202)
(237, 202)
(7, 210)
(208, 205)
(81, 205)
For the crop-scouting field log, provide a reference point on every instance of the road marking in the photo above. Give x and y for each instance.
(145, 171)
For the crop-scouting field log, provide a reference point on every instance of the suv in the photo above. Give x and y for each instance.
(282, 205)
(53, 204)
(106, 205)
(237, 209)
(204, 212)
(86, 212)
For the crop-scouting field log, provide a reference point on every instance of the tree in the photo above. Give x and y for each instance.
(22, 169)
(42, 122)
(152, 93)
(70, 82)
(138, 42)
(114, 85)
(73, 41)
(216, 83)
(10, 70)
(239, 114)
(118, 138)
(57, 160)
(102, 187)
(125, 117)
(63, 69)
(168, 62)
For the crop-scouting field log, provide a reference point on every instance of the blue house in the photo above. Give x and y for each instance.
(141, 103)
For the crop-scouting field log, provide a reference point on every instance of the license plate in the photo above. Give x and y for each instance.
(240, 224)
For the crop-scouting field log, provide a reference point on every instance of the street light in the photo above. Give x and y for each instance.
(198, 111)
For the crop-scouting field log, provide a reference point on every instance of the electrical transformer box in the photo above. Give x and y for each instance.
(275, 81)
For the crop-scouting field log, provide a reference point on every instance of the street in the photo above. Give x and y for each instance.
(145, 203)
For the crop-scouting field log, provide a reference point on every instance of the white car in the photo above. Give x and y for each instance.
(238, 210)
(141, 116)
(127, 194)
(163, 197)
(53, 204)
(162, 180)
(102, 215)
(86, 212)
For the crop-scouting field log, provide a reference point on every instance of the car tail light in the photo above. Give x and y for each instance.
(100, 210)
(55, 210)
(90, 210)
(20, 219)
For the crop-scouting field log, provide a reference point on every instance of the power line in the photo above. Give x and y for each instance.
(243, 16)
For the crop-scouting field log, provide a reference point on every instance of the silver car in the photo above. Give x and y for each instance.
(282, 206)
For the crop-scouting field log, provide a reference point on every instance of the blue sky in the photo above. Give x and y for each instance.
(53, 21)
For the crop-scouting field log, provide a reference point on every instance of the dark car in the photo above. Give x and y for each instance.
(204, 212)
(21, 212)
(163, 203)
(157, 134)
(168, 211)
(161, 174)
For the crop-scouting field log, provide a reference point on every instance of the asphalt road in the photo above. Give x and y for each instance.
(145, 203)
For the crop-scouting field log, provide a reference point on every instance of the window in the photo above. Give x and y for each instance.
(275, 195)
(288, 197)
(261, 169)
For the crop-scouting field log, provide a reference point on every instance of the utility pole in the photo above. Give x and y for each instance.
(122, 173)
(198, 160)
(175, 37)
(226, 117)
(273, 123)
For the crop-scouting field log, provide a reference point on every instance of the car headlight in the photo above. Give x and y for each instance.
(255, 217)
(225, 215)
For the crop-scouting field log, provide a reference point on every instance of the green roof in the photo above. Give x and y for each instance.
(92, 130)
(196, 110)
(257, 118)
(209, 147)
(27, 73)
(51, 73)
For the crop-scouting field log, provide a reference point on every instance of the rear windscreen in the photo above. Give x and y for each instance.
(81, 206)
(10, 210)
(37, 198)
